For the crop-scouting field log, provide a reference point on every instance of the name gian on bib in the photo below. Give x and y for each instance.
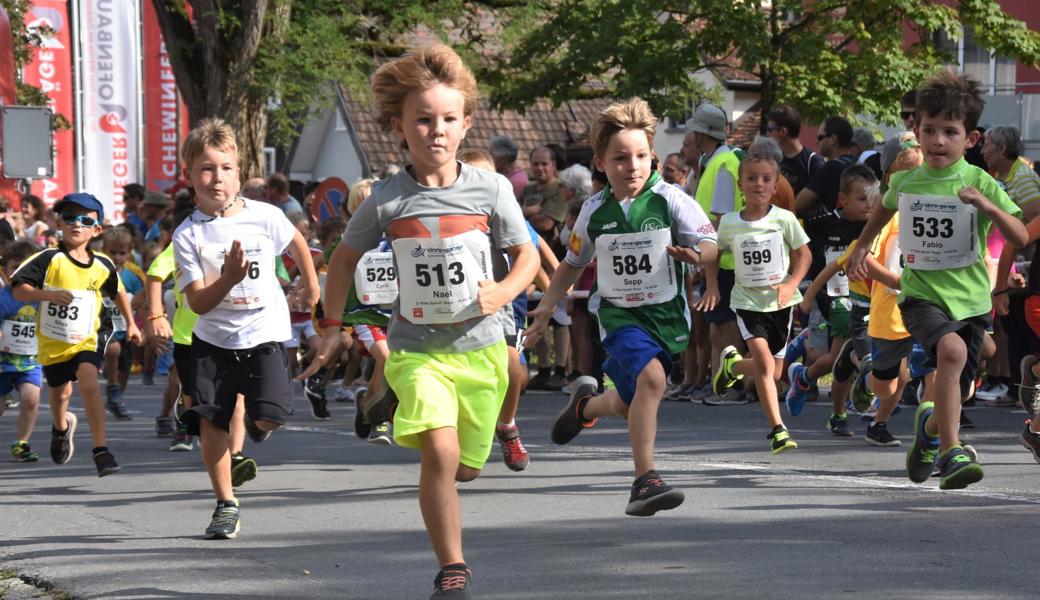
(758, 259)
(439, 277)
(375, 280)
(634, 269)
(70, 323)
(19, 338)
(937, 232)
(249, 293)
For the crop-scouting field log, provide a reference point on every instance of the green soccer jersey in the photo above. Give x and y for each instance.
(963, 292)
(659, 206)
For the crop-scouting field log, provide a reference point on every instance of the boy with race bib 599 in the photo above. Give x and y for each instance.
(946, 207)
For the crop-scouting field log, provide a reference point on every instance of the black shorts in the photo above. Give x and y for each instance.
(928, 323)
(185, 372)
(774, 327)
(61, 373)
(261, 374)
(722, 313)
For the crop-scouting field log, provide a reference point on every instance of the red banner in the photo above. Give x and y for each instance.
(162, 107)
(51, 70)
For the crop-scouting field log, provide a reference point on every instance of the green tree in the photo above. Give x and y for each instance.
(824, 56)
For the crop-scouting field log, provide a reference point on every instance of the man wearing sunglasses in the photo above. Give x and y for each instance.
(68, 283)
(908, 110)
(821, 194)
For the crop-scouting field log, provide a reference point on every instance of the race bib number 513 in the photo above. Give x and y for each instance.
(439, 277)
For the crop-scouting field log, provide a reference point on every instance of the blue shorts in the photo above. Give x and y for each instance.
(11, 381)
(629, 350)
(916, 362)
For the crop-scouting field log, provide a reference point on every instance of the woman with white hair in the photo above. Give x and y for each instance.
(577, 182)
(1002, 151)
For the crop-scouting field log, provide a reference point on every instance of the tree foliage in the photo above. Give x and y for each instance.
(823, 56)
(24, 42)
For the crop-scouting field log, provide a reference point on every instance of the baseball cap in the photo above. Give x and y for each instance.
(87, 201)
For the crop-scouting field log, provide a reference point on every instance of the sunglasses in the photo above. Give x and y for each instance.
(81, 220)
(906, 114)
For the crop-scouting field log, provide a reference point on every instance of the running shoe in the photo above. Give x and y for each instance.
(838, 425)
(362, 428)
(844, 367)
(780, 440)
(21, 453)
(165, 427)
(958, 470)
(243, 469)
(381, 434)
(568, 424)
(114, 403)
(920, 458)
(650, 494)
(452, 582)
(724, 378)
(796, 347)
(1031, 442)
(732, 397)
(513, 452)
(148, 378)
(991, 390)
(912, 392)
(255, 433)
(862, 397)
(878, 435)
(314, 390)
(1002, 401)
(224, 525)
(681, 393)
(1029, 388)
(797, 391)
(345, 394)
(106, 463)
(62, 445)
(182, 442)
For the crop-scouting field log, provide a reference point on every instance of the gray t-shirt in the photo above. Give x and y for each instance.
(402, 208)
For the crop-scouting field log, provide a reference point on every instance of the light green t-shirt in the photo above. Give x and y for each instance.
(777, 220)
(962, 292)
(184, 319)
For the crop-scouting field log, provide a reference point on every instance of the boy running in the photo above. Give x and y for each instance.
(638, 229)
(18, 367)
(946, 207)
(113, 346)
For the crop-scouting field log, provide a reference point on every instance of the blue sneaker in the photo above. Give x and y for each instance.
(796, 393)
(796, 347)
(920, 459)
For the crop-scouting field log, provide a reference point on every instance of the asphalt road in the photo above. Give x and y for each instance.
(330, 516)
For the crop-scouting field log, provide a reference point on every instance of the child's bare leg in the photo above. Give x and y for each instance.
(517, 380)
(28, 410)
(642, 415)
(951, 355)
(112, 351)
(438, 497)
(763, 368)
(93, 404)
(236, 435)
(217, 458)
(170, 393)
(58, 398)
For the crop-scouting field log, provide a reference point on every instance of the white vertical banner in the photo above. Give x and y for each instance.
(110, 95)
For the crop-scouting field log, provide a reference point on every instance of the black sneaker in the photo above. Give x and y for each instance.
(1031, 442)
(452, 581)
(224, 525)
(106, 463)
(843, 366)
(243, 469)
(314, 390)
(361, 425)
(958, 469)
(650, 494)
(61, 441)
(910, 395)
(780, 440)
(838, 425)
(878, 435)
(165, 427)
(114, 403)
(255, 433)
(568, 424)
(182, 441)
(381, 434)
(920, 458)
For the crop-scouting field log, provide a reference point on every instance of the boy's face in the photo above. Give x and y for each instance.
(758, 181)
(943, 140)
(214, 175)
(74, 221)
(626, 161)
(433, 123)
(117, 252)
(854, 205)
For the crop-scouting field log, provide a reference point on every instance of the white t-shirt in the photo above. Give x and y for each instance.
(255, 311)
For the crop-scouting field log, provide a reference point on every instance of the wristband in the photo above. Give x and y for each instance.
(1003, 291)
(330, 323)
(158, 316)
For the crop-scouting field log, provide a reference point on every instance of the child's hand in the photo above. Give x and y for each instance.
(331, 342)
(709, 299)
(235, 265)
(133, 334)
(784, 291)
(62, 297)
(970, 195)
(1000, 304)
(488, 297)
(537, 322)
(856, 263)
(684, 254)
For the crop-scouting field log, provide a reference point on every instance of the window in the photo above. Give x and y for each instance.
(996, 73)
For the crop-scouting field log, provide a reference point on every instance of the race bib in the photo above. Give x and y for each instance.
(72, 323)
(250, 293)
(375, 280)
(838, 285)
(439, 276)
(634, 269)
(893, 259)
(758, 260)
(118, 322)
(19, 338)
(937, 232)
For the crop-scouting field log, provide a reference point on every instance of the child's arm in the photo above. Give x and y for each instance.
(122, 300)
(342, 265)
(562, 280)
(203, 298)
(817, 284)
(1009, 225)
(711, 296)
(157, 328)
(24, 292)
(879, 217)
(801, 258)
(878, 272)
(300, 253)
(493, 295)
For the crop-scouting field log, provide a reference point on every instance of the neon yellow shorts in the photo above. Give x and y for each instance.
(463, 390)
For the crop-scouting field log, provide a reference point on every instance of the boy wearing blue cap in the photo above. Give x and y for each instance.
(68, 283)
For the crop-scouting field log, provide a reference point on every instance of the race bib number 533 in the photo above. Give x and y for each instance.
(937, 232)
